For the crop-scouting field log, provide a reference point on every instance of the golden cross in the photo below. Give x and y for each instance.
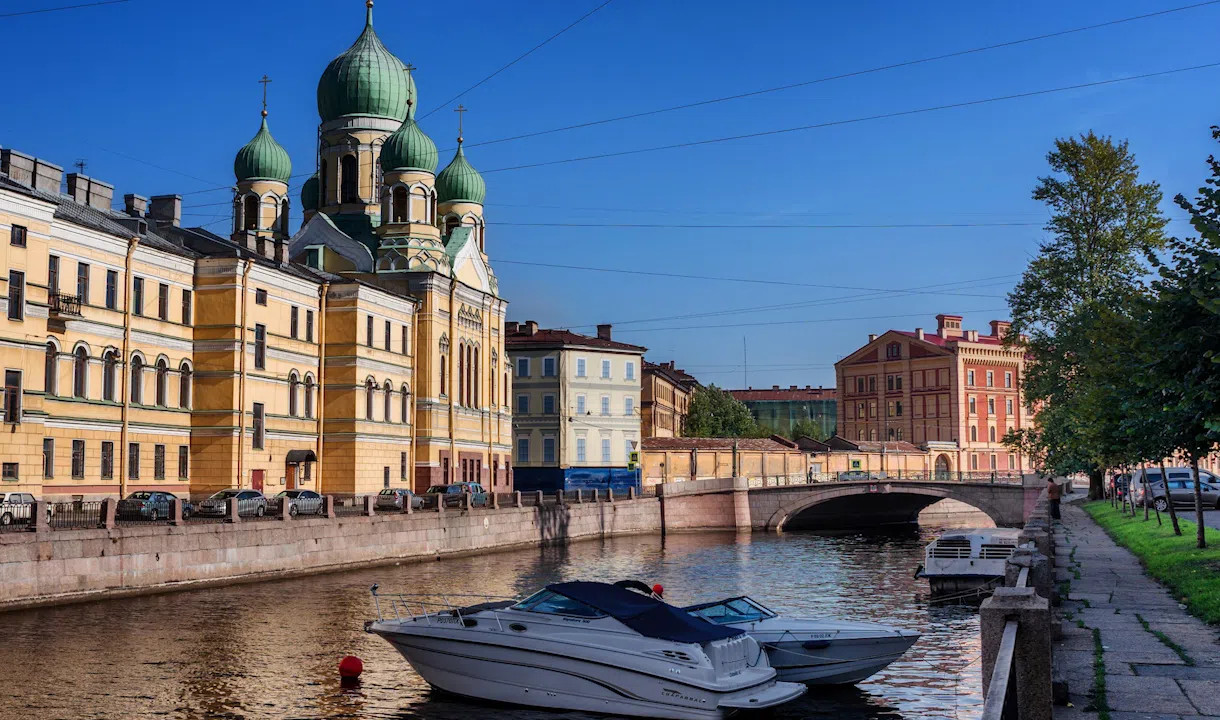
(461, 111)
(264, 82)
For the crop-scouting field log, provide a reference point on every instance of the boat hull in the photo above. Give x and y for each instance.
(840, 662)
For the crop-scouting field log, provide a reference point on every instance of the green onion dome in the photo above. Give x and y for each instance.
(262, 158)
(365, 80)
(408, 148)
(309, 194)
(460, 182)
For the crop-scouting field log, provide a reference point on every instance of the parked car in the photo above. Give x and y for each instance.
(151, 506)
(391, 499)
(1119, 484)
(1181, 488)
(15, 507)
(300, 502)
(249, 502)
(478, 496)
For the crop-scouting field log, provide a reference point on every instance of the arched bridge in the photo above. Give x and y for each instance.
(733, 502)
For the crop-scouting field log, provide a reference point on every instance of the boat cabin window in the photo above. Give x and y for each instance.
(735, 610)
(552, 603)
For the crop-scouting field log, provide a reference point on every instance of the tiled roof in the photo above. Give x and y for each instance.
(808, 444)
(541, 338)
(772, 444)
(676, 376)
(788, 393)
(841, 443)
(935, 339)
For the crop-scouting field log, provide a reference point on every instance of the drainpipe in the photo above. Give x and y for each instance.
(321, 409)
(411, 466)
(126, 365)
(490, 417)
(241, 383)
(453, 344)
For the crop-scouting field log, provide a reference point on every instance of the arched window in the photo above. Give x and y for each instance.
(469, 374)
(137, 379)
(369, 389)
(991, 432)
(184, 386)
(444, 387)
(323, 185)
(872, 434)
(349, 179)
(387, 406)
(162, 384)
(80, 372)
(461, 373)
(110, 364)
(284, 216)
(504, 397)
(402, 205)
(476, 378)
(452, 222)
(309, 396)
(860, 434)
(974, 433)
(250, 213)
(293, 384)
(51, 370)
(405, 401)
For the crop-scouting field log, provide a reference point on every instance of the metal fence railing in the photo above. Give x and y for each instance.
(16, 517)
(76, 515)
(349, 505)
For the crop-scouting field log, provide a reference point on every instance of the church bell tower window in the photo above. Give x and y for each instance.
(251, 212)
(349, 179)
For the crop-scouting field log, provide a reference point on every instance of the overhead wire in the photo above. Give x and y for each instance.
(763, 226)
(809, 321)
(71, 7)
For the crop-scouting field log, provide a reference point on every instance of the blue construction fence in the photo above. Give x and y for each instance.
(549, 480)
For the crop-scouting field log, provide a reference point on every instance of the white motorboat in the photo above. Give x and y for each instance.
(584, 646)
(809, 650)
(967, 564)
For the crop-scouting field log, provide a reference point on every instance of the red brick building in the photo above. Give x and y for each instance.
(955, 392)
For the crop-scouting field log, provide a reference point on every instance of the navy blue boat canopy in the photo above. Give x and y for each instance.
(647, 616)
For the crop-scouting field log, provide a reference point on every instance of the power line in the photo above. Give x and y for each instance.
(855, 73)
(72, 7)
(867, 118)
(796, 322)
(754, 226)
(521, 57)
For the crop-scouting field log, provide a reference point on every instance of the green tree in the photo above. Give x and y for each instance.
(715, 413)
(1104, 223)
(808, 428)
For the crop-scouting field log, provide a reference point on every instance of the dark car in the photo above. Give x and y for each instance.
(152, 506)
(392, 499)
(249, 502)
(478, 496)
(300, 502)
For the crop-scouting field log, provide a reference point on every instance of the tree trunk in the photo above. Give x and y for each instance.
(1201, 539)
(1144, 475)
(1173, 514)
(1097, 484)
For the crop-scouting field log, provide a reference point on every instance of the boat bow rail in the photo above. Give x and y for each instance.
(435, 607)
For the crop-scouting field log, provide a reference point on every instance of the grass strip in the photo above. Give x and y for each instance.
(1097, 695)
(1167, 641)
(1191, 574)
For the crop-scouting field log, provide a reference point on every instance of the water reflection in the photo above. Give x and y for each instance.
(270, 650)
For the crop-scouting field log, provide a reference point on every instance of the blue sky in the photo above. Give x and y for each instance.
(158, 96)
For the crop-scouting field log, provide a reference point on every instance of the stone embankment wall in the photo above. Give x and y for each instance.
(43, 568)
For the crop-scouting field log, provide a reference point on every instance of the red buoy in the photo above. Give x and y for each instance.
(350, 667)
(658, 590)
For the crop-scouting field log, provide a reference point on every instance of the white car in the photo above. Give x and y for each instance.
(15, 508)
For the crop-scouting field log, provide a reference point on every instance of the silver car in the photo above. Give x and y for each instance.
(300, 502)
(1181, 488)
(15, 508)
(249, 502)
(391, 499)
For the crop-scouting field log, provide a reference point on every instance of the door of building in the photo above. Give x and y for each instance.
(290, 478)
(256, 479)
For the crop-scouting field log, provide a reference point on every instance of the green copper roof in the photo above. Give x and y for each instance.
(365, 80)
(262, 158)
(409, 147)
(460, 181)
(309, 194)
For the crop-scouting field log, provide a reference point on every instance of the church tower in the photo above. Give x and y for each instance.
(260, 202)
(460, 193)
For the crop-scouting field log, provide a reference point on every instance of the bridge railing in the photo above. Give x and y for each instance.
(995, 477)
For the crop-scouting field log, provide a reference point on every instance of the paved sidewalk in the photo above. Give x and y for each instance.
(1145, 678)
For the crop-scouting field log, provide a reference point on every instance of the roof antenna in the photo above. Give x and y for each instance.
(80, 165)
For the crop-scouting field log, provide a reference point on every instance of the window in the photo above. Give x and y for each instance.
(17, 236)
(250, 212)
(548, 449)
(523, 404)
(580, 449)
(260, 296)
(889, 382)
(307, 474)
(158, 462)
(1008, 407)
(368, 331)
(993, 462)
(107, 460)
(184, 462)
(293, 321)
(387, 401)
(406, 345)
(859, 384)
(349, 179)
(369, 388)
(162, 384)
(258, 431)
(898, 408)
(548, 367)
(991, 434)
(629, 406)
(308, 396)
(80, 372)
(629, 371)
(872, 383)
(405, 401)
(112, 289)
(889, 409)
(309, 326)
(110, 364)
(387, 336)
(186, 307)
(974, 433)
(605, 449)
(860, 411)
(973, 409)
(1007, 379)
(893, 351)
(891, 434)
(580, 405)
(974, 461)
(605, 404)
(53, 273)
(48, 457)
(184, 386)
(605, 369)
(970, 377)
(16, 295)
(580, 367)
(872, 408)
(548, 404)
(293, 385)
(402, 466)
(9, 471)
(133, 461)
(137, 296)
(82, 282)
(523, 367)
(137, 379)
(991, 406)
(163, 301)
(990, 379)
(523, 450)
(627, 449)
(898, 382)
(50, 374)
(260, 347)
(1012, 462)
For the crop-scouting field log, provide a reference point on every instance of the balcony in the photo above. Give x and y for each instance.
(62, 305)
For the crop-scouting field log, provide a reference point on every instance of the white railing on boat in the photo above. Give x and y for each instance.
(431, 606)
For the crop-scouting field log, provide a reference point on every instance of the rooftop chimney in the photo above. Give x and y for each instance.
(135, 205)
(948, 326)
(999, 328)
(792, 387)
(872, 337)
(531, 327)
(47, 177)
(166, 210)
(919, 333)
(18, 166)
(775, 387)
(603, 331)
(510, 328)
(972, 335)
(90, 191)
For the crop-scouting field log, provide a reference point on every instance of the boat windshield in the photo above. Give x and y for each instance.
(732, 610)
(552, 603)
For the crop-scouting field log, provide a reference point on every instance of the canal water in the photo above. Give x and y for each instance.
(270, 650)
